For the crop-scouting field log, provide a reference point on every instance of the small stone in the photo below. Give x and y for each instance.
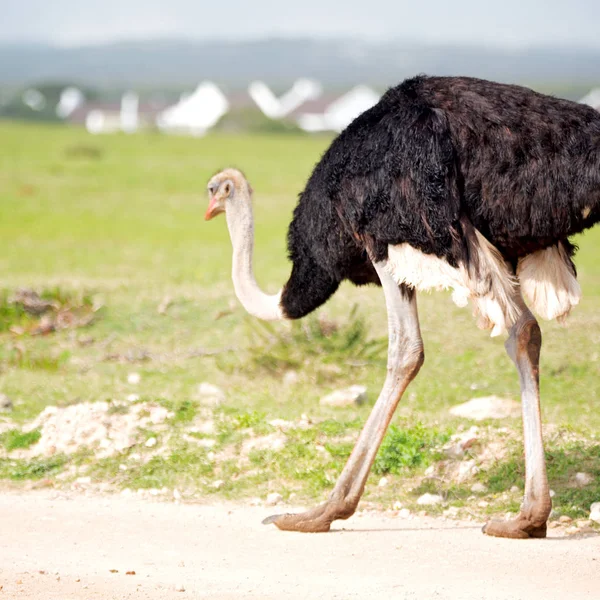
(572, 530)
(206, 427)
(352, 396)
(483, 504)
(583, 479)
(273, 499)
(584, 524)
(126, 492)
(466, 469)
(122, 467)
(452, 512)
(515, 489)
(151, 442)
(430, 499)
(290, 378)
(565, 519)
(132, 398)
(83, 480)
(134, 378)
(218, 484)
(488, 407)
(454, 451)
(176, 494)
(6, 404)
(397, 505)
(179, 587)
(552, 493)
(210, 394)
(430, 471)
(383, 482)
(595, 512)
(478, 488)
(553, 524)
(153, 492)
(404, 513)
(255, 502)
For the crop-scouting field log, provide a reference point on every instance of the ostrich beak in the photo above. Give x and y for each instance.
(213, 209)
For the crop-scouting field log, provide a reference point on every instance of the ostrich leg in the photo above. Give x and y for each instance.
(405, 357)
(523, 346)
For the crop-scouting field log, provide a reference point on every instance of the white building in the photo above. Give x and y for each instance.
(195, 113)
(592, 98)
(302, 91)
(340, 112)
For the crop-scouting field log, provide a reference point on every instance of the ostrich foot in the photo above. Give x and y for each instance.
(520, 528)
(317, 520)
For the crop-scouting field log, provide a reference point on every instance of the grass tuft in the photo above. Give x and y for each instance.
(15, 438)
(409, 447)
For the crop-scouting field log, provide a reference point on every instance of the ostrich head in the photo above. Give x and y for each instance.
(230, 192)
(224, 188)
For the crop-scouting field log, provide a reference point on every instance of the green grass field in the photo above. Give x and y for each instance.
(120, 219)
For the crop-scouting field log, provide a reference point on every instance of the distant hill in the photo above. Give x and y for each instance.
(335, 62)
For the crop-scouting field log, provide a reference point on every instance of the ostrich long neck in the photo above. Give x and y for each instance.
(240, 222)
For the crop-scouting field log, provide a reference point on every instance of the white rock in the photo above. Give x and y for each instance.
(176, 494)
(466, 469)
(595, 512)
(205, 427)
(151, 442)
(132, 398)
(84, 480)
(290, 378)
(452, 511)
(397, 505)
(273, 498)
(134, 378)
(122, 467)
(552, 493)
(478, 488)
(383, 482)
(488, 407)
(404, 513)
(430, 470)
(430, 499)
(483, 504)
(454, 451)
(179, 587)
(583, 479)
(210, 394)
(354, 395)
(218, 484)
(95, 425)
(515, 489)
(205, 442)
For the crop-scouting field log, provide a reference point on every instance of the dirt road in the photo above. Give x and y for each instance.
(54, 546)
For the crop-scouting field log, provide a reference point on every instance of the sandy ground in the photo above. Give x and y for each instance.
(56, 546)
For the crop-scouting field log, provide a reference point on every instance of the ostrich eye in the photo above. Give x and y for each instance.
(227, 188)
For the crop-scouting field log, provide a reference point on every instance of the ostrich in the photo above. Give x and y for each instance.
(447, 183)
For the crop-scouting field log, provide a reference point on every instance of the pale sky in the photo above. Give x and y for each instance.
(504, 23)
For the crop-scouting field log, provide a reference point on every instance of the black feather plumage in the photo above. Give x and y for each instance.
(433, 158)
